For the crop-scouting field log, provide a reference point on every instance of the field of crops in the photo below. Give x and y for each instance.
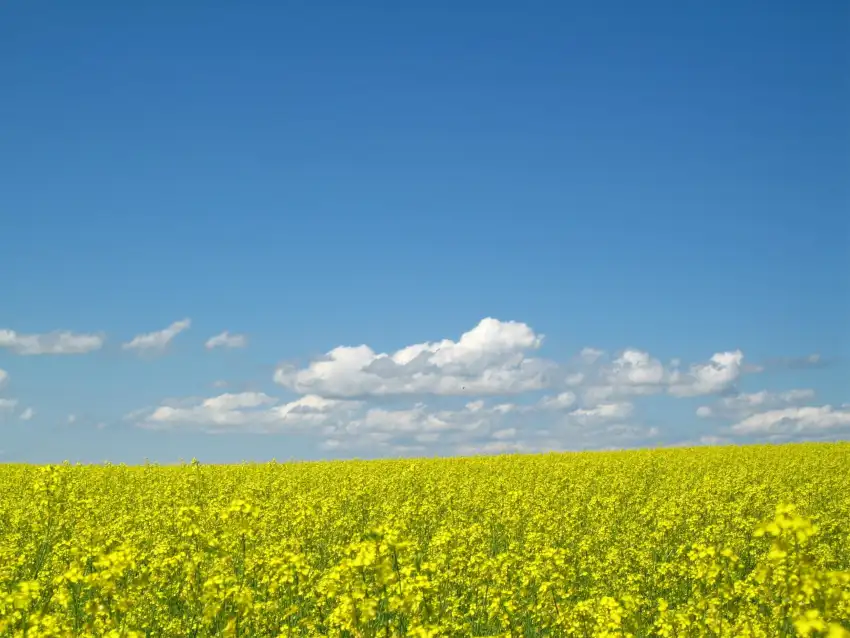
(734, 541)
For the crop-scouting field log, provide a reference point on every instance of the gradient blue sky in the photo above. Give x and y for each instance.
(659, 180)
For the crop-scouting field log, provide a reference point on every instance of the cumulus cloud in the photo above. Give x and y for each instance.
(58, 342)
(721, 371)
(157, 340)
(612, 436)
(637, 373)
(708, 440)
(602, 412)
(492, 358)
(246, 411)
(794, 421)
(636, 368)
(352, 425)
(496, 358)
(408, 400)
(743, 404)
(4, 377)
(229, 402)
(591, 355)
(624, 432)
(226, 340)
(27, 414)
(559, 402)
(8, 404)
(487, 448)
(576, 378)
(223, 410)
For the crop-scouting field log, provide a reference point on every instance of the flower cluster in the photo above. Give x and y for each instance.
(678, 543)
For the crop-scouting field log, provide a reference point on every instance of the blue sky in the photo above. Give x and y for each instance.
(662, 182)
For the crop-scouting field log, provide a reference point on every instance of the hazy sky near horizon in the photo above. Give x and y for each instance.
(333, 229)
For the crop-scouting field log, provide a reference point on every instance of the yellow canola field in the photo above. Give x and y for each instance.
(731, 541)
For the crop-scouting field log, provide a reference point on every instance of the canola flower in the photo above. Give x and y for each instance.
(734, 541)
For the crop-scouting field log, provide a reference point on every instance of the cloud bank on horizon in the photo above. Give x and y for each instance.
(489, 391)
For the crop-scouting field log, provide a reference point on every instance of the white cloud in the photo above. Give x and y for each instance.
(591, 355)
(58, 342)
(560, 402)
(636, 368)
(159, 339)
(223, 410)
(574, 379)
(719, 373)
(8, 404)
(496, 448)
(505, 408)
(27, 414)
(344, 396)
(72, 418)
(350, 423)
(707, 440)
(4, 377)
(794, 420)
(356, 425)
(229, 402)
(251, 411)
(636, 373)
(625, 432)
(492, 358)
(741, 405)
(381, 423)
(569, 435)
(226, 340)
(602, 412)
